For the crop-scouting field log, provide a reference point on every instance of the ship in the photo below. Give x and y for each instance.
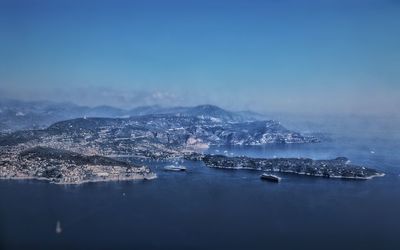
(270, 177)
(174, 168)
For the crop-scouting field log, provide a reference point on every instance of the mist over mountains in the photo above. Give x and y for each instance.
(24, 115)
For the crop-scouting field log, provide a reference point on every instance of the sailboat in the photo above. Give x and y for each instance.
(58, 227)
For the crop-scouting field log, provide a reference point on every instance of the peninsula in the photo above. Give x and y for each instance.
(334, 168)
(66, 167)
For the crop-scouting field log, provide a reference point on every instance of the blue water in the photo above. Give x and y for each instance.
(215, 209)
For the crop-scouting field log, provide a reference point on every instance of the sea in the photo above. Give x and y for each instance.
(205, 208)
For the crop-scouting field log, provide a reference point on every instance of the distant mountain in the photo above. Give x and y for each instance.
(105, 111)
(155, 109)
(214, 112)
(205, 111)
(21, 115)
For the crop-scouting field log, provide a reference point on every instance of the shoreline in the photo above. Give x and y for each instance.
(48, 180)
(301, 173)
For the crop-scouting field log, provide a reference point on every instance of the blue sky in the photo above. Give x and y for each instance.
(328, 56)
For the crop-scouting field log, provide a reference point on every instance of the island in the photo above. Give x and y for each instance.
(334, 168)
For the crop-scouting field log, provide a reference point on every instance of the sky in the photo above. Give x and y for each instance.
(309, 56)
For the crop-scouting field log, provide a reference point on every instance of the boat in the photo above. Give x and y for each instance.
(174, 168)
(58, 228)
(270, 177)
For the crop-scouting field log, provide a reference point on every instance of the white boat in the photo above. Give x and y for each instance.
(175, 168)
(58, 228)
(270, 177)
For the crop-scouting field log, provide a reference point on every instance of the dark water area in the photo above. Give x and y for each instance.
(207, 208)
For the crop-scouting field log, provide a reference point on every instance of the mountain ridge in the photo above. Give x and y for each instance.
(25, 115)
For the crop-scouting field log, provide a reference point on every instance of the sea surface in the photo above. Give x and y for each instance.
(207, 208)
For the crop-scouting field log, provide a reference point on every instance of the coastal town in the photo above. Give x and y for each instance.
(66, 167)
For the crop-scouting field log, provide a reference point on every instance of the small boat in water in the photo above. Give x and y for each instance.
(174, 168)
(58, 228)
(270, 177)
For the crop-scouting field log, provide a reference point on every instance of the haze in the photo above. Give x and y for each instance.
(267, 56)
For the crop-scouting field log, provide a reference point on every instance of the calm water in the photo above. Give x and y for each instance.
(215, 209)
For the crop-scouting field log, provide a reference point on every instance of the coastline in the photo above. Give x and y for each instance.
(150, 176)
(302, 173)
